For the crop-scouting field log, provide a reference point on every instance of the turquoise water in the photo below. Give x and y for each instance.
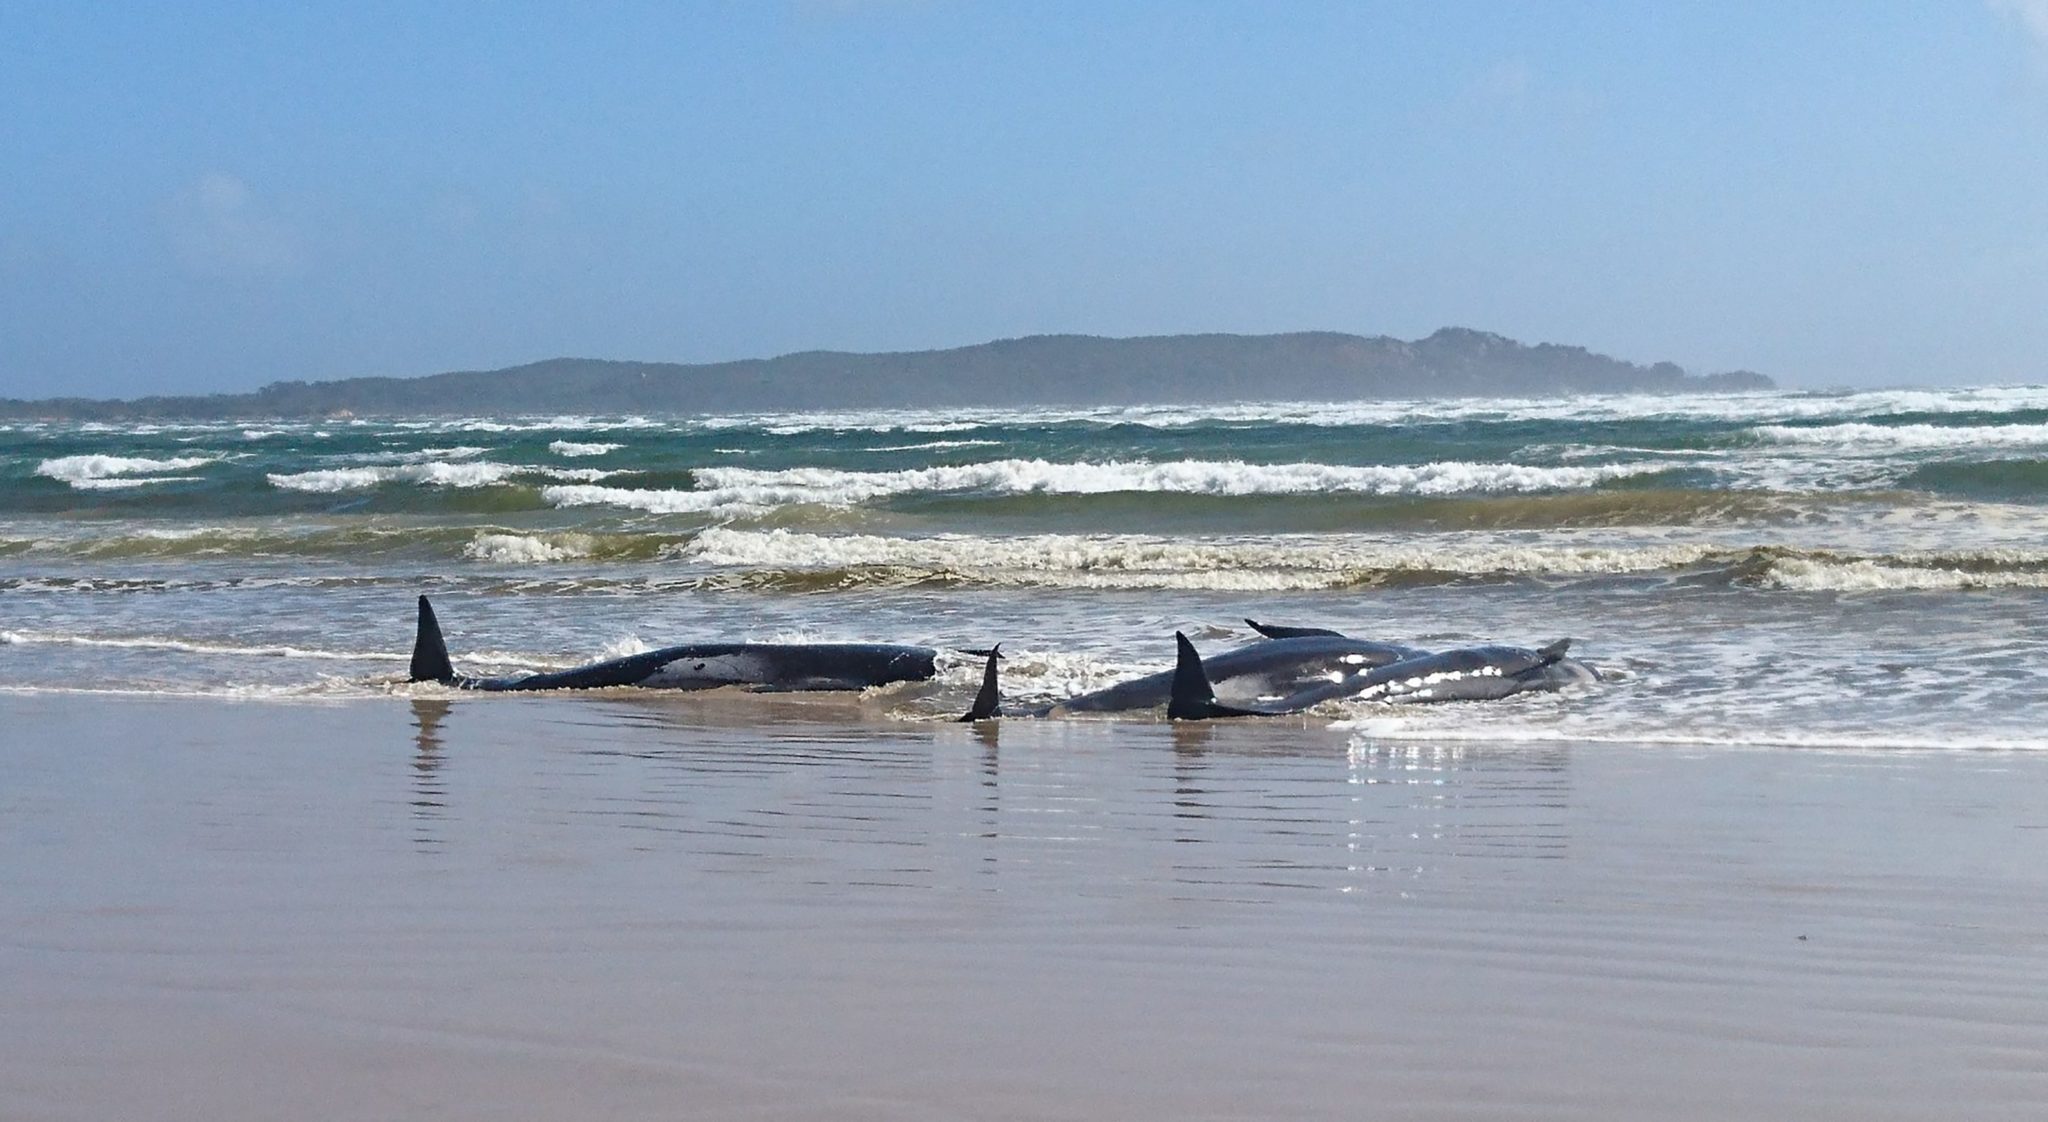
(1772, 568)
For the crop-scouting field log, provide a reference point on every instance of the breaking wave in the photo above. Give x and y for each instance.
(726, 489)
(437, 473)
(1133, 561)
(1836, 574)
(1881, 439)
(572, 448)
(99, 472)
(432, 474)
(516, 549)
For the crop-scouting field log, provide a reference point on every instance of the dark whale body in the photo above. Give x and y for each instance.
(1266, 668)
(696, 666)
(1486, 673)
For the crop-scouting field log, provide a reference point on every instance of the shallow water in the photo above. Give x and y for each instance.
(576, 907)
(1779, 568)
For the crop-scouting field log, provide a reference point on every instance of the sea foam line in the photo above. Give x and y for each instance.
(1754, 407)
(729, 488)
(1861, 437)
(186, 646)
(1817, 574)
(480, 473)
(1139, 561)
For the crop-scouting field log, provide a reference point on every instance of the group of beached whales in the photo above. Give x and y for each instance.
(1286, 670)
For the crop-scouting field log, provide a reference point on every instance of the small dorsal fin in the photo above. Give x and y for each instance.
(1554, 651)
(988, 703)
(429, 651)
(1276, 631)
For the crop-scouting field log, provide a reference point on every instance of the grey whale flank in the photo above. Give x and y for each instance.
(1298, 660)
(695, 666)
(1483, 673)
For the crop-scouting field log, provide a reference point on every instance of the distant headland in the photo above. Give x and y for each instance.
(1036, 370)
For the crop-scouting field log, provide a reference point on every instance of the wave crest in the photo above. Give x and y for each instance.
(738, 490)
(521, 549)
(99, 472)
(573, 448)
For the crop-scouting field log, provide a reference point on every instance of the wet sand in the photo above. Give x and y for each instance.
(573, 908)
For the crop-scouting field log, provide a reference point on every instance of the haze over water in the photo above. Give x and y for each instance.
(1775, 568)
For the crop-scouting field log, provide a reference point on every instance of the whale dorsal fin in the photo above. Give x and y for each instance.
(1276, 631)
(1194, 698)
(1554, 651)
(989, 702)
(1192, 694)
(429, 652)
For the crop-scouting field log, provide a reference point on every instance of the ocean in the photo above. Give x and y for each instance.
(1851, 569)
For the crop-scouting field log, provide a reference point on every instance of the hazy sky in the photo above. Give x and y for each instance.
(203, 196)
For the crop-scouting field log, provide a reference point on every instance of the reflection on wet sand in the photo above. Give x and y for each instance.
(430, 787)
(777, 921)
(823, 784)
(1435, 804)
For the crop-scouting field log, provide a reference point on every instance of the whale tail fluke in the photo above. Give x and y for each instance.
(1193, 698)
(988, 704)
(429, 651)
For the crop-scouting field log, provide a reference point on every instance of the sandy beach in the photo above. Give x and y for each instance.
(705, 907)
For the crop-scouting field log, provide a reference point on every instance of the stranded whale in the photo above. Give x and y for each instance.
(1484, 673)
(1265, 668)
(695, 666)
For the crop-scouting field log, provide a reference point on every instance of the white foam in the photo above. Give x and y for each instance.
(520, 549)
(529, 424)
(160, 643)
(572, 448)
(1860, 437)
(416, 456)
(1279, 562)
(85, 471)
(1813, 574)
(730, 489)
(936, 445)
(434, 474)
(1756, 407)
(654, 502)
(119, 483)
(1210, 477)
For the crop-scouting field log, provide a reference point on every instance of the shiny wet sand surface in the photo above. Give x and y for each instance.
(584, 907)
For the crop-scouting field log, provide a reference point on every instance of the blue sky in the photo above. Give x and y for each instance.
(210, 197)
